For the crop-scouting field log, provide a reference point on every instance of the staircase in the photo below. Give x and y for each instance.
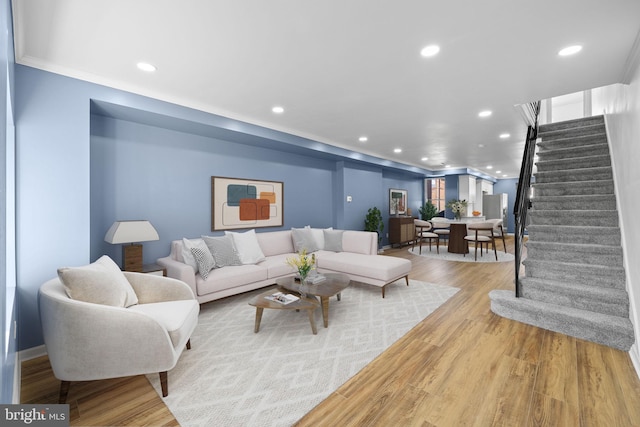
(574, 279)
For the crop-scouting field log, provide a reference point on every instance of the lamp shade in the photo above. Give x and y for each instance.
(130, 232)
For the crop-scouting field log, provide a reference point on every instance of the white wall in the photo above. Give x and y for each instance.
(621, 104)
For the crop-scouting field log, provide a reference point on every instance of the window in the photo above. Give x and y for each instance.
(434, 191)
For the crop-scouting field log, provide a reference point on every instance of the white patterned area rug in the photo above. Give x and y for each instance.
(470, 257)
(234, 377)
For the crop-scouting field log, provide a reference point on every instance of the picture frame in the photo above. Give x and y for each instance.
(397, 201)
(246, 203)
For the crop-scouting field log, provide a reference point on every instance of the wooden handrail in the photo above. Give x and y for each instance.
(523, 195)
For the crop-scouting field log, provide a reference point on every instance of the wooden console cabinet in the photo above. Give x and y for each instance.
(401, 230)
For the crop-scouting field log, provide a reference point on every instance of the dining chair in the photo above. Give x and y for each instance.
(498, 231)
(481, 233)
(423, 231)
(441, 227)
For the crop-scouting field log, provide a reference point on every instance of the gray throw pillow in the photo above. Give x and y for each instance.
(101, 282)
(222, 250)
(205, 261)
(303, 239)
(333, 240)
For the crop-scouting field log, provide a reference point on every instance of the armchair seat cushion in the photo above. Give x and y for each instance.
(179, 318)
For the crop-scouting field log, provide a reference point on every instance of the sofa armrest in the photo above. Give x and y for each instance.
(179, 270)
(151, 288)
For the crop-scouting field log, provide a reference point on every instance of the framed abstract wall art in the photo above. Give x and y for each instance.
(245, 203)
(397, 202)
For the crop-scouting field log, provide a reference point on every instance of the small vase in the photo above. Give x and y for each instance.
(303, 286)
(457, 216)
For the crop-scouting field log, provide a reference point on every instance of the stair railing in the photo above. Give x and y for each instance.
(523, 195)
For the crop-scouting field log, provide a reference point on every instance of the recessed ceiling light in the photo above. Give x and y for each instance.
(570, 50)
(397, 150)
(504, 135)
(498, 171)
(363, 139)
(481, 145)
(485, 113)
(504, 175)
(430, 50)
(424, 159)
(489, 167)
(447, 166)
(277, 109)
(145, 66)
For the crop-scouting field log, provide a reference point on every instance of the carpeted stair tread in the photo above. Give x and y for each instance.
(573, 175)
(562, 152)
(575, 202)
(573, 217)
(591, 187)
(603, 235)
(612, 331)
(570, 163)
(612, 301)
(601, 275)
(594, 254)
(571, 124)
(565, 142)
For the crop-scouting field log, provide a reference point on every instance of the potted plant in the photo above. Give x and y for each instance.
(373, 222)
(428, 211)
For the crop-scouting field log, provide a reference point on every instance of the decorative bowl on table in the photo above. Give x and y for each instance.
(476, 213)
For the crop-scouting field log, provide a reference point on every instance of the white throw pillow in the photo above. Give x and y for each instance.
(187, 253)
(318, 236)
(247, 246)
(101, 282)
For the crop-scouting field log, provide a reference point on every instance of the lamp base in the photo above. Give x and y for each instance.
(132, 258)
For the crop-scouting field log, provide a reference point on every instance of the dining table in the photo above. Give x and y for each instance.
(457, 233)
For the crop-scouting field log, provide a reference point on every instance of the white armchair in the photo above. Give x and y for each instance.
(90, 341)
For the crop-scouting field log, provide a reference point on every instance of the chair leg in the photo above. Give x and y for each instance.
(407, 279)
(189, 344)
(64, 391)
(164, 383)
(495, 251)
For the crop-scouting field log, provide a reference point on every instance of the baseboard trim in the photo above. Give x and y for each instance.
(634, 354)
(28, 354)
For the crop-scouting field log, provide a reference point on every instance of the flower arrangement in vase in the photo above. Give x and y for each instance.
(457, 207)
(303, 263)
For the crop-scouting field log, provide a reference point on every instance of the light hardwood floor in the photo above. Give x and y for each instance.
(461, 366)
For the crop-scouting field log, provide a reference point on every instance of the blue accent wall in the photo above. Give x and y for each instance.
(89, 155)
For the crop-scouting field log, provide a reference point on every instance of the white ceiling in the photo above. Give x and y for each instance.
(345, 68)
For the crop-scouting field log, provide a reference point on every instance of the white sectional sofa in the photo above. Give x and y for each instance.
(263, 260)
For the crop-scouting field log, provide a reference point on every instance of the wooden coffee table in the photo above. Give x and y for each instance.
(334, 284)
(260, 302)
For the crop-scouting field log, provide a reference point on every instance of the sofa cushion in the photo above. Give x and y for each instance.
(275, 242)
(247, 246)
(379, 267)
(303, 240)
(333, 240)
(277, 266)
(230, 277)
(101, 282)
(222, 250)
(360, 242)
(177, 317)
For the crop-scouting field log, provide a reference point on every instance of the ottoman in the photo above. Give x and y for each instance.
(376, 270)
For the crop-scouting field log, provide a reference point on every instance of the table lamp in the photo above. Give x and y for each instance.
(131, 232)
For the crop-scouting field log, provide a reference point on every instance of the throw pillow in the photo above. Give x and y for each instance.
(247, 246)
(222, 250)
(318, 236)
(303, 239)
(101, 282)
(205, 261)
(333, 240)
(187, 254)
